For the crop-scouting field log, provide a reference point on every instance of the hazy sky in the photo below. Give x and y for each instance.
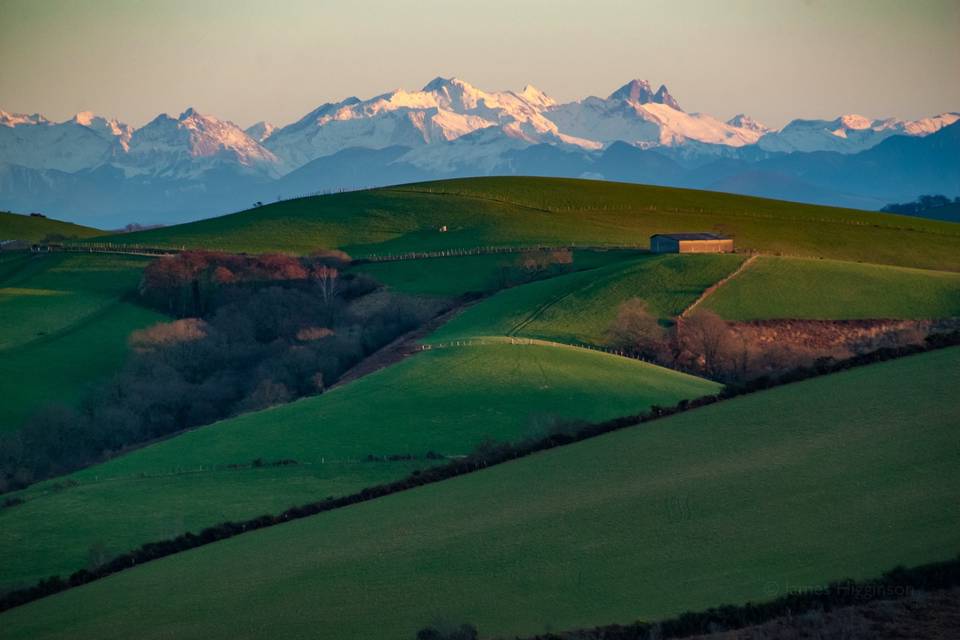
(247, 60)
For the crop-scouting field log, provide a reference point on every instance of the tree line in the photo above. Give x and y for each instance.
(705, 344)
(487, 454)
(251, 332)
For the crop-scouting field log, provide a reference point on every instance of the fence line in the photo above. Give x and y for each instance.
(492, 249)
(150, 250)
(492, 340)
(106, 247)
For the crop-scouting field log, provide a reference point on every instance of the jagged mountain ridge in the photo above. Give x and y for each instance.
(445, 110)
(197, 163)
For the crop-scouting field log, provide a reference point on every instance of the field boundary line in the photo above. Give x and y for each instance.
(482, 341)
(709, 291)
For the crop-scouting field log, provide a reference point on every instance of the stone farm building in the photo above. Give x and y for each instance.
(690, 243)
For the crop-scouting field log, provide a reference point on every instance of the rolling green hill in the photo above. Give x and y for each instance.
(66, 318)
(580, 307)
(517, 211)
(14, 226)
(744, 500)
(826, 289)
(445, 400)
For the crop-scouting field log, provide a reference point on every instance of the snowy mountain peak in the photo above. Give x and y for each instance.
(662, 96)
(442, 112)
(450, 93)
(261, 130)
(743, 121)
(855, 122)
(447, 125)
(84, 118)
(440, 83)
(190, 144)
(638, 92)
(926, 126)
(849, 133)
(82, 142)
(536, 97)
(11, 120)
(109, 129)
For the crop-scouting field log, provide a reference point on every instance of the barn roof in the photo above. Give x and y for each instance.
(702, 235)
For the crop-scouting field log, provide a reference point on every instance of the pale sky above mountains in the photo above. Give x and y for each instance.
(247, 60)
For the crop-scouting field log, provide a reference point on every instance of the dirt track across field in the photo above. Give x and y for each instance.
(402, 347)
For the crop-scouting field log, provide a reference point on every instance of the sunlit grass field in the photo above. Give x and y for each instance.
(744, 500)
(829, 290)
(523, 211)
(581, 307)
(446, 401)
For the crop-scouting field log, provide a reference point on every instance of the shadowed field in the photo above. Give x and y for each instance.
(443, 401)
(789, 488)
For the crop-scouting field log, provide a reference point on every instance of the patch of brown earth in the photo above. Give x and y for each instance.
(838, 338)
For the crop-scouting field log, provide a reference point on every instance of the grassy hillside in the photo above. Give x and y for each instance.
(14, 226)
(445, 401)
(826, 289)
(65, 322)
(747, 499)
(580, 307)
(514, 211)
(454, 275)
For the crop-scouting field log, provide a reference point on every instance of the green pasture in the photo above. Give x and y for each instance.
(484, 273)
(444, 400)
(744, 500)
(523, 211)
(15, 226)
(66, 318)
(581, 307)
(773, 287)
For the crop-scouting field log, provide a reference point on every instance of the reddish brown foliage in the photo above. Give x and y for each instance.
(164, 334)
(182, 284)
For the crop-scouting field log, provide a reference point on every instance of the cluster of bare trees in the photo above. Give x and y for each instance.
(188, 283)
(702, 342)
(706, 344)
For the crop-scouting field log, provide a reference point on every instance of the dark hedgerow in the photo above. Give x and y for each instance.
(897, 583)
(489, 454)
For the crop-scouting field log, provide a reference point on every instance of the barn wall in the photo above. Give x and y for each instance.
(706, 246)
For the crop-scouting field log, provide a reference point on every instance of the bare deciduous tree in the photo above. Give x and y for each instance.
(707, 336)
(637, 330)
(328, 281)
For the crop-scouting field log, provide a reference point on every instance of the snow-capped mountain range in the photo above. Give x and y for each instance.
(447, 127)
